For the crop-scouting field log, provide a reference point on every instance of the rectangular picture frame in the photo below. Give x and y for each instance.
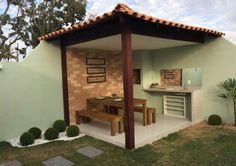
(96, 70)
(169, 71)
(169, 76)
(96, 79)
(95, 61)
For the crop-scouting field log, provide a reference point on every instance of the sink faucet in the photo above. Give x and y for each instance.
(187, 84)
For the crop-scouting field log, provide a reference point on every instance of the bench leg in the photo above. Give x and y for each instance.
(154, 117)
(145, 117)
(121, 126)
(80, 119)
(113, 128)
(86, 119)
(149, 118)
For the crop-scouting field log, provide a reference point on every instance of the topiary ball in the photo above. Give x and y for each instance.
(27, 138)
(51, 134)
(36, 131)
(214, 120)
(60, 125)
(72, 131)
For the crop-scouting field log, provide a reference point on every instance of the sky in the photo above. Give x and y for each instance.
(219, 15)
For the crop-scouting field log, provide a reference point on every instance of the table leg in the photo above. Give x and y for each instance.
(144, 114)
(121, 126)
(77, 118)
(113, 128)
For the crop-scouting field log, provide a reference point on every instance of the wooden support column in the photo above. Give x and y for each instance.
(127, 83)
(65, 83)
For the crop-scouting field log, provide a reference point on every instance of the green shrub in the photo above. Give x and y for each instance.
(4, 146)
(51, 134)
(60, 125)
(27, 138)
(36, 131)
(214, 120)
(72, 131)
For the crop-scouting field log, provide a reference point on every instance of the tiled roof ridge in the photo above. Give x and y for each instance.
(123, 8)
(127, 10)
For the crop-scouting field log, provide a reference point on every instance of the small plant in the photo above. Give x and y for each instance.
(3, 146)
(60, 125)
(214, 120)
(51, 134)
(26, 139)
(229, 88)
(36, 131)
(72, 131)
(114, 95)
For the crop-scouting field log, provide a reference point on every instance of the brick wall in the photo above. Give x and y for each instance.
(78, 88)
(166, 79)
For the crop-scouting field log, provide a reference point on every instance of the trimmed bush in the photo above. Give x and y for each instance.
(27, 138)
(51, 134)
(36, 131)
(4, 146)
(214, 120)
(72, 131)
(60, 125)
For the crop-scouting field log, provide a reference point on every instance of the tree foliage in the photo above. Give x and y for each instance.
(31, 19)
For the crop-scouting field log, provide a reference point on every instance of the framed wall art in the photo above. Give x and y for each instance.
(96, 70)
(95, 61)
(96, 79)
(169, 76)
(169, 71)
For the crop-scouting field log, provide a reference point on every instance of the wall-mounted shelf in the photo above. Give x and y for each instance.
(174, 106)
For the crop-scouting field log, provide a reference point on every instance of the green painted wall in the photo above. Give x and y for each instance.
(194, 75)
(216, 58)
(31, 91)
(143, 60)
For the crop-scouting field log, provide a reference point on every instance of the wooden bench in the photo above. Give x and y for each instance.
(113, 119)
(151, 118)
(144, 112)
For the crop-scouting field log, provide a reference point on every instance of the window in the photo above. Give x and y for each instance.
(136, 76)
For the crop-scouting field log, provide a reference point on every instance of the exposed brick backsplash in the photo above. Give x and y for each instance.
(177, 79)
(78, 88)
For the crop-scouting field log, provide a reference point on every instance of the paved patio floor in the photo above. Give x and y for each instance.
(143, 134)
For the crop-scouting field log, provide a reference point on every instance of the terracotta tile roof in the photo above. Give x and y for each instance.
(122, 8)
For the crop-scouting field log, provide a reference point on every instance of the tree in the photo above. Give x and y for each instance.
(229, 87)
(7, 40)
(33, 20)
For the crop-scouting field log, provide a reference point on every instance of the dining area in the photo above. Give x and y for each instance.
(111, 110)
(104, 119)
(103, 107)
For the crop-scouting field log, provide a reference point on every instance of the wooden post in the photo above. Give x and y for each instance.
(65, 83)
(127, 83)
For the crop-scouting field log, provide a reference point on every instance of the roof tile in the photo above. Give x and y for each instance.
(122, 8)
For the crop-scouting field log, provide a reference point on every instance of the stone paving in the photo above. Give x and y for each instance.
(90, 151)
(57, 161)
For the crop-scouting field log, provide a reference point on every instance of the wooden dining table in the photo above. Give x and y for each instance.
(108, 102)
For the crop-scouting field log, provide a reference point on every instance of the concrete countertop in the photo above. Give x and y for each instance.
(174, 89)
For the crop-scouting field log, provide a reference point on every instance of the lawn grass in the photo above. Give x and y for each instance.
(197, 145)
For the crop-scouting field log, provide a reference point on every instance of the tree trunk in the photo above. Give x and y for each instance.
(234, 113)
